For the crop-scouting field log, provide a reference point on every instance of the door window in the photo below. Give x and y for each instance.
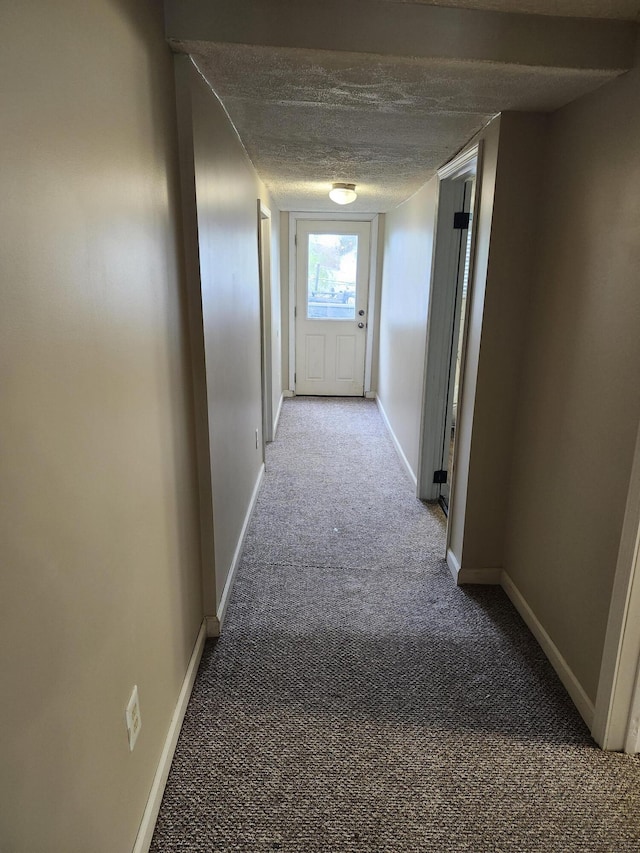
(331, 276)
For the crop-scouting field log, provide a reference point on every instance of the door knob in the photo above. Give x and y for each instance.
(361, 312)
(361, 325)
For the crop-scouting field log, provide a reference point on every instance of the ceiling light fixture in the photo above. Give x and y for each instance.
(343, 193)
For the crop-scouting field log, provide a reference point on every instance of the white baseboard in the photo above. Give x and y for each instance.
(288, 393)
(397, 444)
(463, 576)
(212, 624)
(454, 565)
(226, 592)
(580, 699)
(147, 825)
(499, 577)
(370, 395)
(276, 420)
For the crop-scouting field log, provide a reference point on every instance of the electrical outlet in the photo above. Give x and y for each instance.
(134, 720)
(256, 438)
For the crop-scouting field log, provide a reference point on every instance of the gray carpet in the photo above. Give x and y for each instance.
(358, 702)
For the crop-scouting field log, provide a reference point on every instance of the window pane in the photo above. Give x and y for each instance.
(331, 276)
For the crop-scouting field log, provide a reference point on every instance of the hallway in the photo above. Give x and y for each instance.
(359, 701)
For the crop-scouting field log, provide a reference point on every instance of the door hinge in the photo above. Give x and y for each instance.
(461, 220)
(295, 377)
(295, 239)
(440, 476)
(295, 311)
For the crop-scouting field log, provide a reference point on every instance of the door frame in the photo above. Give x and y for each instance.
(616, 721)
(444, 278)
(372, 300)
(456, 347)
(266, 360)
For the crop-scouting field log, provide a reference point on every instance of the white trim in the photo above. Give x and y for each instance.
(632, 737)
(331, 330)
(461, 165)
(212, 625)
(370, 395)
(471, 298)
(618, 686)
(266, 318)
(276, 420)
(440, 330)
(454, 565)
(574, 688)
(147, 825)
(287, 393)
(330, 216)
(293, 261)
(396, 443)
(501, 577)
(371, 303)
(489, 577)
(226, 592)
(441, 322)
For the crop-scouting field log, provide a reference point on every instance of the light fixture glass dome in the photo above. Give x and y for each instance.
(343, 193)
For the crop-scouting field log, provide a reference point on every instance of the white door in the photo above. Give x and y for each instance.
(332, 275)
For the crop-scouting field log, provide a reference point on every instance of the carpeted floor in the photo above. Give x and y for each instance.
(358, 702)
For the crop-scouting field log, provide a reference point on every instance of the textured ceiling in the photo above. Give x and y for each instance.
(308, 118)
(622, 10)
(397, 88)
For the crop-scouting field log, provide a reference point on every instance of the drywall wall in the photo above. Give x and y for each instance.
(226, 193)
(406, 274)
(99, 523)
(580, 397)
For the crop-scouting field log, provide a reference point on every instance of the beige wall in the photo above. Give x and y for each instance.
(226, 193)
(580, 396)
(406, 274)
(98, 538)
